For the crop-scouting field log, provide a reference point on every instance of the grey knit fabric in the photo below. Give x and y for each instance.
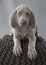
(7, 57)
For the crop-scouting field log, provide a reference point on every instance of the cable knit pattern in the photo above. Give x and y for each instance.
(7, 57)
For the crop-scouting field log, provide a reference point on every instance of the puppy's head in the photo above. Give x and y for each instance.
(22, 16)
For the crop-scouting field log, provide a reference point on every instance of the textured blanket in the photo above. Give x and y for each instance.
(7, 57)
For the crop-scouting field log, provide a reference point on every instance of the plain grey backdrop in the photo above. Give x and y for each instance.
(38, 7)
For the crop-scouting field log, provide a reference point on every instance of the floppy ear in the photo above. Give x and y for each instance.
(32, 20)
(13, 19)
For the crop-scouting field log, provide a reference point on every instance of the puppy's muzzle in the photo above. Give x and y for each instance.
(23, 22)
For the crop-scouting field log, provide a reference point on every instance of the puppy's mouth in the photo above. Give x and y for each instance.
(23, 26)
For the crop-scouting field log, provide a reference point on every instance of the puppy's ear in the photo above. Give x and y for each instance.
(13, 19)
(32, 20)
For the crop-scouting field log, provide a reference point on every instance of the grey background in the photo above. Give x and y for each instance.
(38, 7)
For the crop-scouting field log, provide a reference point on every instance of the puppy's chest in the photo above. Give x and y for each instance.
(23, 32)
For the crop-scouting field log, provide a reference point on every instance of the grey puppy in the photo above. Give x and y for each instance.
(22, 24)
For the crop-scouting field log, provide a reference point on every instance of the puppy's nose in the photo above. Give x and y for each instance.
(24, 22)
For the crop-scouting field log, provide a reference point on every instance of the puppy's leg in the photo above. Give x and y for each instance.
(32, 54)
(17, 47)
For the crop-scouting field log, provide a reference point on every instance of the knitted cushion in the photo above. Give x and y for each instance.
(7, 57)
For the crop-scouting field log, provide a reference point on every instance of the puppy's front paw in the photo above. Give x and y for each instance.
(17, 50)
(32, 54)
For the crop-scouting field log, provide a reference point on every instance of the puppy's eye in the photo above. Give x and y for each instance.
(27, 13)
(20, 13)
